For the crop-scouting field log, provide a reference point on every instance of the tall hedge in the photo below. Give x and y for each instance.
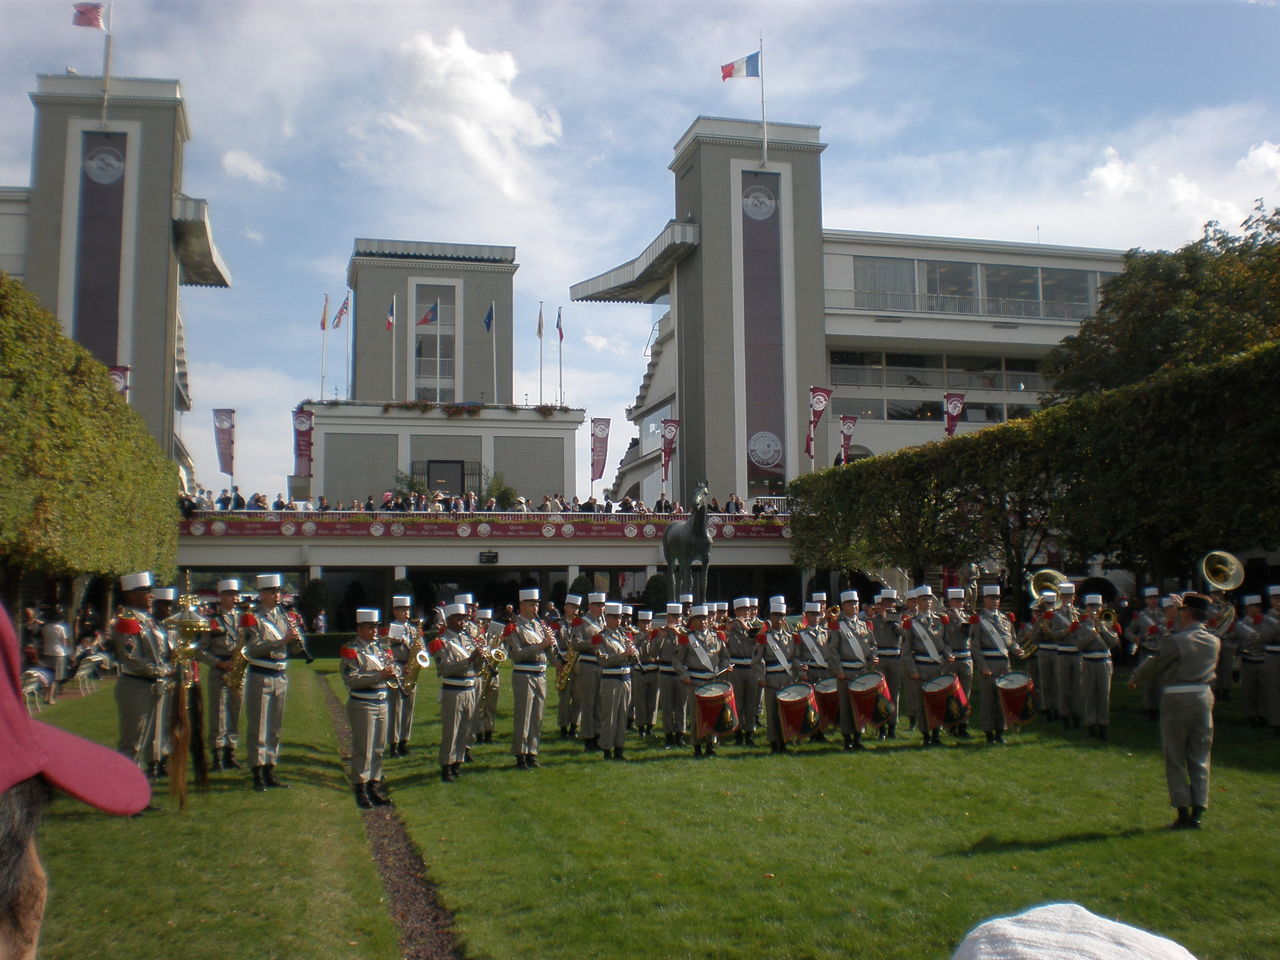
(84, 489)
(1149, 476)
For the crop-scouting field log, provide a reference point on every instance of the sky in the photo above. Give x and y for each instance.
(548, 125)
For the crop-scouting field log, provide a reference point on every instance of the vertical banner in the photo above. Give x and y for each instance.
(599, 446)
(848, 422)
(669, 430)
(119, 379)
(819, 397)
(224, 437)
(100, 223)
(303, 420)
(953, 403)
(762, 331)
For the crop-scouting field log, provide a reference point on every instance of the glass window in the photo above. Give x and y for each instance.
(651, 429)
(884, 283)
(982, 413)
(1016, 411)
(864, 408)
(915, 409)
(852, 369)
(913, 370)
(950, 287)
(978, 373)
(427, 391)
(1065, 293)
(425, 296)
(1012, 291)
(851, 358)
(1024, 375)
(426, 355)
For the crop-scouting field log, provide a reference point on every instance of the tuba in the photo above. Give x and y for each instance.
(1221, 570)
(1045, 580)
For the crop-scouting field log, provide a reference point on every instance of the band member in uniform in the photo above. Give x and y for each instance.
(403, 636)
(585, 628)
(224, 703)
(956, 636)
(701, 657)
(924, 644)
(992, 638)
(1068, 663)
(774, 665)
(1145, 631)
(644, 678)
(811, 641)
(1221, 617)
(886, 631)
(567, 696)
(457, 660)
(490, 679)
(163, 601)
(1095, 640)
(529, 643)
(366, 669)
(671, 693)
(1046, 610)
(267, 634)
(136, 643)
(1184, 667)
(1271, 667)
(615, 655)
(851, 651)
(741, 644)
(1250, 631)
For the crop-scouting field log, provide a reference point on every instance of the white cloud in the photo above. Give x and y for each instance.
(617, 345)
(251, 234)
(1114, 177)
(244, 166)
(1262, 158)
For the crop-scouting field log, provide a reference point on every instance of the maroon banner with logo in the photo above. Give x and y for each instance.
(599, 446)
(119, 379)
(819, 397)
(953, 403)
(224, 436)
(669, 430)
(847, 424)
(303, 420)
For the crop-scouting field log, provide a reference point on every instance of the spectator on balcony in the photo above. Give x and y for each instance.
(521, 506)
(278, 503)
(224, 500)
(714, 506)
(663, 505)
(607, 506)
(187, 505)
(322, 505)
(237, 500)
(490, 506)
(758, 509)
(473, 502)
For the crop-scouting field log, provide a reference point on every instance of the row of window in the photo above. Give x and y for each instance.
(879, 369)
(871, 408)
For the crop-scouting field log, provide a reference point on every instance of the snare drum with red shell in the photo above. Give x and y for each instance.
(872, 704)
(945, 703)
(797, 711)
(716, 709)
(827, 695)
(1018, 700)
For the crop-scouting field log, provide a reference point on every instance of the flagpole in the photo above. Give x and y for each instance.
(106, 65)
(324, 343)
(764, 117)
(493, 337)
(439, 361)
(393, 347)
(346, 338)
(539, 353)
(560, 349)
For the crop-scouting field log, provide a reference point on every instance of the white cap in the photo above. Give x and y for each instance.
(613, 609)
(269, 581)
(812, 607)
(686, 598)
(231, 585)
(368, 615)
(889, 595)
(135, 581)
(1069, 588)
(596, 598)
(740, 603)
(1166, 601)
(777, 605)
(699, 611)
(674, 608)
(957, 593)
(644, 615)
(1252, 598)
(466, 598)
(1093, 599)
(454, 609)
(924, 590)
(401, 600)
(722, 605)
(1151, 591)
(819, 597)
(484, 614)
(627, 611)
(530, 594)
(754, 601)
(776, 597)
(164, 593)
(573, 598)
(849, 595)
(990, 590)
(1273, 591)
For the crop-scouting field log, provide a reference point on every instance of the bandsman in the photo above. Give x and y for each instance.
(923, 642)
(366, 670)
(1095, 640)
(1067, 674)
(741, 644)
(774, 666)
(1047, 656)
(403, 638)
(457, 660)
(701, 658)
(487, 635)
(267, 634)
(851, 651)
(811, 642)
(567, 697)
(644, 678)
(1221, 617)
(672, 699)
(993, 639)
(1145, 632)
(615, 656)
(224, 703)
(1250, 632)
(886, 631)
(136, 643)
(585, 629)
(956, 636)
(164, 599)
(529, 645)
(1271, 666)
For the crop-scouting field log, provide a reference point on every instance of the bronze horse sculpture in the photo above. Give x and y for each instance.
(686, 545)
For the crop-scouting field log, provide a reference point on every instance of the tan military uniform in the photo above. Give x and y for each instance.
(923, 642)
(644, 681)
(1253, 633)
(224, 703)
(265, 633)
(774, 663)
(401, 703)
(523, 639)
(741, 645)
(614, 662)
(452, 653)
(587, 681)
(136, 644)
(1067, 677)
(851, 651)
(673, 699)
(362, 665)
(701, 656)
(992, 637)
(1095, 643)
(567, 700)
(1145, 631)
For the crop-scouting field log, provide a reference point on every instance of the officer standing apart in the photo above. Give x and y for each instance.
(366, 670)
(266, 644)
(528, 646)
(1185, 666)
(456, 660)
(135, 641)
(404, 638)
(224, 703)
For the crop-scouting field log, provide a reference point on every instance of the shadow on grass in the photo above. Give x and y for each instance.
(992, 844)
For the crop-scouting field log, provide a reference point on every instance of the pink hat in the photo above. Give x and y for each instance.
(86, 770)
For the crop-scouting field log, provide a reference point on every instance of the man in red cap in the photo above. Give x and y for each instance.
(34, 758)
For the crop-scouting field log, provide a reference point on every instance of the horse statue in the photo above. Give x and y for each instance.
(686, 545)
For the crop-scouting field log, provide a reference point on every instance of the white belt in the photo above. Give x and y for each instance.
(700, 675)
(996, 654)
(534, 668)
(1187, 688)
(740, 661)
(268, 664)
(587, 658)
(466, 684)
(377, 696)
(852, 664)
(1096, 656)
(615, 672)
(1271, 649)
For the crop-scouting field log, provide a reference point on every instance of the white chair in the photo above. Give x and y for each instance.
(32, 690)
(84, 676)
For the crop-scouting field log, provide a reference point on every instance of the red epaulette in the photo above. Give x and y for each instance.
(906, 623)
(720, 634)
(248, 620)
(349, 653)
(973, 619)
(1075, 624)
(760, 637)
(945, 619)
(654, 632)
(596, 640)
(577, 621)
(127, 623)
(436, 645)
(682, 639)
(509, 630)
(384, 630)
(1013, 617)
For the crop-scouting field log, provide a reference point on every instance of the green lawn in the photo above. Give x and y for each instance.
(887, 854)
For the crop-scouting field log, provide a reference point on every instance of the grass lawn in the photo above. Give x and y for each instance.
(894, 853)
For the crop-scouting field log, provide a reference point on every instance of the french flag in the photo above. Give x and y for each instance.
(748, 66)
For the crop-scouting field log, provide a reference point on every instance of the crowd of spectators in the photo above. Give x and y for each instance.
(50, 656)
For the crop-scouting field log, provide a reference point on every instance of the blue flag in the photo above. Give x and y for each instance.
(488, 319)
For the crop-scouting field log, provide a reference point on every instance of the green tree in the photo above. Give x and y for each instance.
(496, 486)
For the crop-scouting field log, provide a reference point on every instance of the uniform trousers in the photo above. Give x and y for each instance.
(673, 698)
(400, 715)
(1226, 664)
(587, 687)
(1150, 689)
(368, 719)
(989, 713)
(457, 715)
(264, 714)
(1048, 678)
(1095, 691)
(963, 668)
(1271, 680)
(848, 716)
(1068, 680)
(487, 702)
(529, 699)
(915, 691)
(1186, 733)
(615, 705)
(1253, 687)
(772, 723)
(644, 696)
(224, 711)
(894, 671)
(746, 693)
(135, 707)
(162, 728)
(567, 707)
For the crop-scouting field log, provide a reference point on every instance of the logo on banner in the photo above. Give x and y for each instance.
(119, 378)
(222, 419)
(758, 202)
(953, 404)
(765, 449)
(669, 429)
(302, 421)
(104, 165)
(847, 425)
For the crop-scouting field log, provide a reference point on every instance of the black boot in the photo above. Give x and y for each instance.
(617, 754)
(378, 793)
(697, 749)
(991, 736)
(446, 773)
(857, 742)
(928, 740)
(162, 768)
(259, 784)
(521, 762)
(883, 732)
(667, 742)
(739, 738)
(750, 741)
(999, 737)
(564, 733)
(893, 731)
(937, 736)
(912, 725)
(215, 761)
(573, 730)
(1184, 820)
(1102, 732)
(455, 769)
(229, 758)
(848, 742)
(773, 746)
(466, 755)
(269, 777)
(1197, 814)
(631, 724)
(962, 732)
(361, 790)
(404, 748)
(711, 749)
(531, 760)
(588, 745)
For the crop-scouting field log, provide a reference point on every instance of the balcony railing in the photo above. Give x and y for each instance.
(891, 302)
(1014, 381)
(427, 368)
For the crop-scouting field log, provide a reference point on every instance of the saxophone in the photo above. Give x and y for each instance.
(234, 678)
(418, 659)
(566, 669)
